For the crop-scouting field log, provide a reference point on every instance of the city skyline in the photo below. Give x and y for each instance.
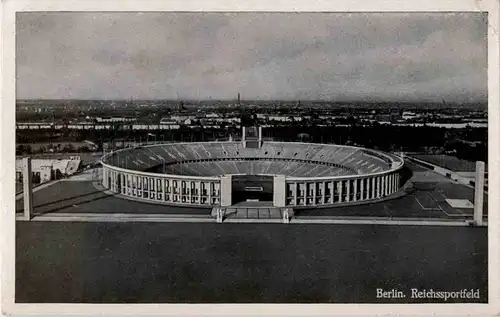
(337, 57)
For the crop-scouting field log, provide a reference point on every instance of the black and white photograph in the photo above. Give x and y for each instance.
(252, 157)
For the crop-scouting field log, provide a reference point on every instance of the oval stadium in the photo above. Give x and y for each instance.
(279, 174)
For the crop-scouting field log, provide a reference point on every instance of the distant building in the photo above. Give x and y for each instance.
(45, 170)
(180, 118)
(114, 119)
(407, 115)
(212, 115)
(169, 124)
(284, 118)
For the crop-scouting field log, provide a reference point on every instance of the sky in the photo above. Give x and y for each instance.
(289, 56)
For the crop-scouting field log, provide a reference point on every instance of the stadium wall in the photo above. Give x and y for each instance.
(341, 190)
(206, 191)
(162, 188)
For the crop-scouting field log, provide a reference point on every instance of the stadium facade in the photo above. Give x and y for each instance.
(284, 174)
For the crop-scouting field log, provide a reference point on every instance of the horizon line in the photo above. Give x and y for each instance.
(257, 100)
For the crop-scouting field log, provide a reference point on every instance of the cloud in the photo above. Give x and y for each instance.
(417, 56)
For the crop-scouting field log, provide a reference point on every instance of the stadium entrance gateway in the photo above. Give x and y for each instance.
(252, 188)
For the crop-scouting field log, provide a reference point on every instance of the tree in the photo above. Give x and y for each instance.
(20, 149)
(83, 149)
(69, 148)
(304, 137)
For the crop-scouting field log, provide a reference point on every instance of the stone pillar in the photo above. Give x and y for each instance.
(362, 189)
(171, 190)
(226, 188)
(339, 187)
(131, 185)
(164, 189)
(315, 185)
(243, 136)
(199, 193)
(279, 191)
(355, 190)
(368, 187)
(390, 184)
(295, 192)
(379, 183)
(27, 188)
(373, 187)
(348, 190)
(192, 189)
(323, 196)
(382, 193)
(303, 194)
(479, 193)
(209, 185)
(105, 178)
(386, 183)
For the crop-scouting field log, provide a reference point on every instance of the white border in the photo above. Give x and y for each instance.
(7, 161)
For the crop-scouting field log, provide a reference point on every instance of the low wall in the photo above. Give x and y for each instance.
(445, 172)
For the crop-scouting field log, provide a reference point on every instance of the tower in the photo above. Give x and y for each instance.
(27, 188)
(479, 193)
(252, 137)
(238, 98)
